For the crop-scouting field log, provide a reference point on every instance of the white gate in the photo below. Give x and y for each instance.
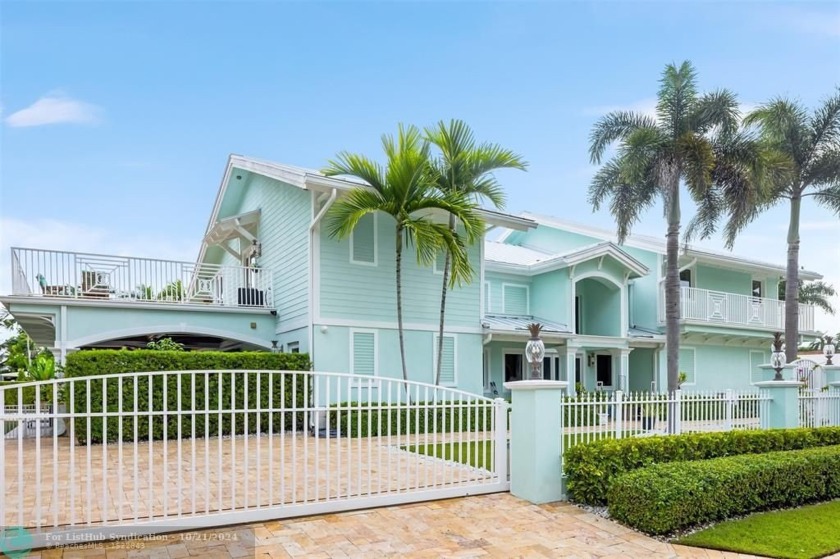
(815, 402)
(165, 451)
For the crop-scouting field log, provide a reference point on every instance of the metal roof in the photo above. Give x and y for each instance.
(513, 254)
(519, 324)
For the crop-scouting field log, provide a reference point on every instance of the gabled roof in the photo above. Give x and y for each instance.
(656, 245)
(521, 260)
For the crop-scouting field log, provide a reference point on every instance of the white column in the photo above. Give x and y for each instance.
(624, 369)
(570, 369)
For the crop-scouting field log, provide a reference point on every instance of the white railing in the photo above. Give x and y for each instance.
(98, 277)
(819, 408)
(718, 307)
(597, 415)
(165, 451)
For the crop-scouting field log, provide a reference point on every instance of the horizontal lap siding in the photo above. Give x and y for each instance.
(496, 282)
(363, 292)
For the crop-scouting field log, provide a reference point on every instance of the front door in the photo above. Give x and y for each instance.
(604, 370)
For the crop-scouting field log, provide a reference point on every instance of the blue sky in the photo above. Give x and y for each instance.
(130, 109)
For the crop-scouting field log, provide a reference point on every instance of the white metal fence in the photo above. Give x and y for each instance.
(819, 408)
(597, 415)
(50, 273)
(165, 451)
(706, 305)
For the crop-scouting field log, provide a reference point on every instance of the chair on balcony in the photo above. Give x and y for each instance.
(94, 286)
(54, 290)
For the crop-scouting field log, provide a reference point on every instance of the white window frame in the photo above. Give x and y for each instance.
(352, 364)
(435, 339)
(375, 244)
(527, 297)
(487, 369)
(293, 346)
(694, 365)
(488, 298)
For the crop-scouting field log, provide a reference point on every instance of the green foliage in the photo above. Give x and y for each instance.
(165, 344)
(665, 498)
(364, 419)
(23, 391)
(216, 393)
(591, 468)
(18, 351)
(43, 368)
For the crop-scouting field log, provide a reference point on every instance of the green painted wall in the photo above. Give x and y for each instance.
(721, 367)
(552, 240)
(600, 307)
(644, 291)
(364, 292)
(642, 369)
(496, 282)
(720, 279)
(550, 296)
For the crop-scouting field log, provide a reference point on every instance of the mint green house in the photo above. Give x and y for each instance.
(268, 276)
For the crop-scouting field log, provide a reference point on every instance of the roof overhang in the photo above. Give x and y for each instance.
(740, 264)
(601, 250)
(242, 226)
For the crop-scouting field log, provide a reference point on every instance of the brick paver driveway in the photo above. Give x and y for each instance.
(497, 525)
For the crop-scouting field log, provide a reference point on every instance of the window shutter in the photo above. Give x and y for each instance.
(447, 365)
(516, 299)
(364, 353)
(687, 364)
(363, 241)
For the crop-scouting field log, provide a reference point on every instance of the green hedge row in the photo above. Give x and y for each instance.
(592, 467)
(211, 395)
(665, 498)
(10, 396)
(374, 418)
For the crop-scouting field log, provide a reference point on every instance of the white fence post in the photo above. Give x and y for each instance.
(677, 412)
(730, 403)
(500, 444)
(619, 414)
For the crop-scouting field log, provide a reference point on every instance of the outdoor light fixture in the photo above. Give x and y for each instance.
(828, 350)
(777, 357)
(535, 350)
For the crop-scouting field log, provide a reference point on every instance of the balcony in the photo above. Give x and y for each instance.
(728, 309)
(122, 279)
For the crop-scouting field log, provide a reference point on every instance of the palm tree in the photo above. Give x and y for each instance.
(656, 155)
(466, 168)
(405, 190)
(815, 293)
(812, 145)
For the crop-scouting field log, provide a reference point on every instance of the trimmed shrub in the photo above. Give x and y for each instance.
(10, 396)
(665, 498)
(211, 395)
(365, 419)
(592, 467)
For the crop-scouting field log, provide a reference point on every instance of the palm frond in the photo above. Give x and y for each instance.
(823, 169)
(346, 212)
(698, 162)
(783, 124)
(677, 97)
(356, 165)
(818, 293)
(718, 109)
(825, 124)
(615, 126)
(829, 197)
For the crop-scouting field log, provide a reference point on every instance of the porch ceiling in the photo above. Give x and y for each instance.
(39, 327)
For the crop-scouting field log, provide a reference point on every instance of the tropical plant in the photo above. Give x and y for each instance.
(465, 167)
(817, 293)
(173, 291)
(811, 144)
(165, 344)
(405, 190)
(689, 141)
(18, 352)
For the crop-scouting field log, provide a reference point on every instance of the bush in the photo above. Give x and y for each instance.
(668, 497)
(366, 419)
(10, 395)
(210, 395)
(592, 467)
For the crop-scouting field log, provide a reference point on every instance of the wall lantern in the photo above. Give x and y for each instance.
(535, 351)
(777, 357)
(828, 350)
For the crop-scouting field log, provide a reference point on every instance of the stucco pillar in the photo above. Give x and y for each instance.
(536, 424)
(783, 408)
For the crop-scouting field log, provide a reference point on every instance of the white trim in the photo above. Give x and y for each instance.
(527, 296)
(351, 364)
(622, 288)
(292, 346)
(435, 339)
(693, 351)
(482, 280)
(39, 300)
(487, 369)
(487, 298)
(384, 325)
(180, 328)
(375, 244)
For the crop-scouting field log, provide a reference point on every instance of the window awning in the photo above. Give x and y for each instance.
(242, 226)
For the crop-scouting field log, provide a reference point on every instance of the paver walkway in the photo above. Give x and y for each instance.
(497, 525)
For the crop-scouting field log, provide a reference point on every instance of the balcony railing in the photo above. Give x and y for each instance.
(98, 277)
(730, 309)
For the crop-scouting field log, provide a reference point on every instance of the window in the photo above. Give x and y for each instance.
(688, 365)
(577, 370)
(513, 366)
(294, 347)
(551, 368)
(685, 279)
(603, 369)
(757, 288)
(363, 241)
(447, 363)
(363, 352)
(515, 299)
(577, 314)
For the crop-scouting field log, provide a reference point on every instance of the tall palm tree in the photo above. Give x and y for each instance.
(812, 145)
(815, 293)
(465, 167)
(404, 189)
(656, 155)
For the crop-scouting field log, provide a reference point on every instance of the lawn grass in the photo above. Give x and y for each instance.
(478, 454)
(804, 533)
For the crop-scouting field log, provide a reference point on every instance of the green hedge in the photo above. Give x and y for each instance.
(10, 396)
(366, 419)
(665, 498)
(592, 467)
(213, 415)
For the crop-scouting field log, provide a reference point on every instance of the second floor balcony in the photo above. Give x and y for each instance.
(730, 309)
(102, 278)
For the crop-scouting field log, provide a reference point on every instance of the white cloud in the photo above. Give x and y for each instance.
(55, 108)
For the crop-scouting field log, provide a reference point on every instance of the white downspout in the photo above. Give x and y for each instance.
(315, 221)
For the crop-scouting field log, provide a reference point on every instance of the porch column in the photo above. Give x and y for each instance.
(536, 425)
(624, 369)
(571, 355)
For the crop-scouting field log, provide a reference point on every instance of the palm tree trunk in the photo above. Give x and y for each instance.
(399, 307)
(672, 293)
(792, 282)
(446, 264)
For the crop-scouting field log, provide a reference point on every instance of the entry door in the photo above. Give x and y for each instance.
(551, 368)
(603, 370)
